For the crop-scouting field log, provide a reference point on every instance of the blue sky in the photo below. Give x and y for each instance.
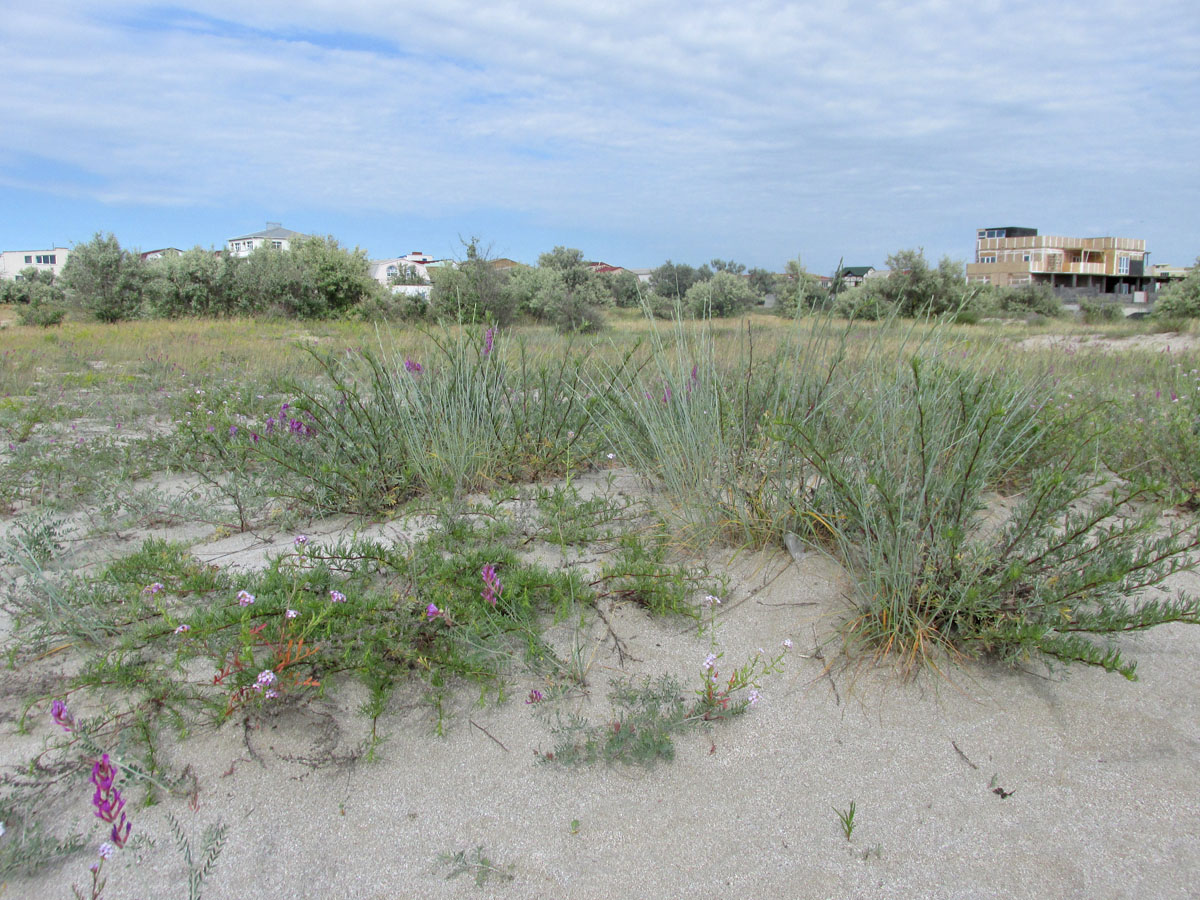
(635, 131)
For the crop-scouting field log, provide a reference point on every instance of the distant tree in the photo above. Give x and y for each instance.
(197, 282)
(1180, 299)
(31, 285)
(341, 277)
(727, 265)
(472, 290)
(724, 294)
(798, 289)
(566, 292)
(624, 287)
(104, 279)
(673, 280)
(761, 281)
(914, 288)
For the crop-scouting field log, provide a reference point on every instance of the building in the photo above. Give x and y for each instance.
(160, 253)
(1012, 256)
(274, 235)
(414, 266)
(852, 276)
(12, 262)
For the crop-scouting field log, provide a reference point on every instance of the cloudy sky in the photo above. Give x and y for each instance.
(636, 131)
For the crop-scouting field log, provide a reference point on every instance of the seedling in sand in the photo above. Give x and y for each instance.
(847, 819)
(475, 863)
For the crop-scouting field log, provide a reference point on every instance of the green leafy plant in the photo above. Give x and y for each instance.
(477, 864)
(846, 818)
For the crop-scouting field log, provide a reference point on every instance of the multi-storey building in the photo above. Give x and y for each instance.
(1012, 256)
(274, 235)
(12, 262)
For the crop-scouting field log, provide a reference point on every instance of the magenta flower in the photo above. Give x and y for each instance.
(153, 588)
(411, 366)
(183, 629)
(337, 597)
(491, 584)
(488, 337)
(232, 430)
(110, 805)
(535, 696)
(299, 541)
(432, 612)
(62, 716)
(245, 598)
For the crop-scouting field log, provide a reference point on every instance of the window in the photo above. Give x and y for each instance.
(46, 259)
(1026, 257)
(987, 259)
(278, 245)
(982, 233)
(1123, 265)
(28, 260)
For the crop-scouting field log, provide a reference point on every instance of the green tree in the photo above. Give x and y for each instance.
(105, 279)
(472, 290)
(623, 287)
(798, 289)
(566, 292)
(341, 278)
(723, 294)
(197, 282)
(1180, 299)
(727, 265)
(673, 280)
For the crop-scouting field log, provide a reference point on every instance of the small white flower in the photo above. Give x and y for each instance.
(244, 598)
(710, 661)
(712, 600)
(787, 643)
(754, 697)
(106, 850)
(184, 628)
(291, 614)
(612, 456)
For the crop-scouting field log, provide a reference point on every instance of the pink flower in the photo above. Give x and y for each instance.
(337, 597)
(432, 612)
(535, 696)
(491, 584)
(62, 716)
(291, 614)
(183, 629)
(245, 598)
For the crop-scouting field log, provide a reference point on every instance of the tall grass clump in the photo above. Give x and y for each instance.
(696, 422)
(376, 428)
(908, 445)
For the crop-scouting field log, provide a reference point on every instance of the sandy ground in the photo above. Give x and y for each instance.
(1167, 342)
(1099, 776)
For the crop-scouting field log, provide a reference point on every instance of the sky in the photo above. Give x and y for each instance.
(638, 132)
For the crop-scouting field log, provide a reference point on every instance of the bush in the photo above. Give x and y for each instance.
(41, 314)
(1180, 300)
(906, 446)
(472, 291)
(104, 279)
(1096, 311)
(721, 295)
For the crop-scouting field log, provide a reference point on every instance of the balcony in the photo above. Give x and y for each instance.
(1055, 267)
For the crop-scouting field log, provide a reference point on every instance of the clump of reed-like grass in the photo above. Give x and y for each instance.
(907, 446)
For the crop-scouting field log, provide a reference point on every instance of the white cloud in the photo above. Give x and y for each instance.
(647, 114)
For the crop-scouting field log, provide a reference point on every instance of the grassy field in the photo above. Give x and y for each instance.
(997, 491)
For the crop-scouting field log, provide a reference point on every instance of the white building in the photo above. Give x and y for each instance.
(274, 235)
(415, 264)
(13, 261)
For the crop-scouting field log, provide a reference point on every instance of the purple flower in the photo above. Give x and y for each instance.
(110, 805)
(710, 661)
(232, 430)
(266, 678)
(299, 541)
(337, 597)
(491, 584)
(291, 614)
(183, 629)
(62, 716)
(787, 643)
(270, 426)
(244, 598)
(106, 850)
(432, 612)
(411, 366)
(153, 588)
(488, 337)
(754, 696)
(535, 696)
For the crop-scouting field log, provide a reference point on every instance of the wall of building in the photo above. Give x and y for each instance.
(13, 261)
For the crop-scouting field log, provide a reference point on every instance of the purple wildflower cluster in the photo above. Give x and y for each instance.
(62, 716)
(110, 805)
(245, 598)
(265, 684)
(287, 422)
(488, 337)
(491, 584)
(411, 366)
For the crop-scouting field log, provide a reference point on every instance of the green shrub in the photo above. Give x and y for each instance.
(906, 447)
(1095, 311)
